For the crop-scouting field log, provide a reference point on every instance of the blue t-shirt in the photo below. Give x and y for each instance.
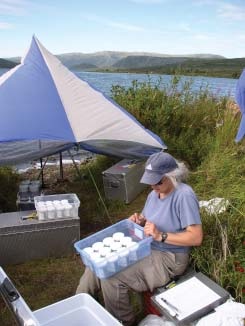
(172, 214)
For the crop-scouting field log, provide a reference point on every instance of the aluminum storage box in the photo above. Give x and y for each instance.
(122, 180)
(24, 240)
(115, 261)
(78, 310)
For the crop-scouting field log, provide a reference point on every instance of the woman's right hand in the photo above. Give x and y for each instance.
(138, 219)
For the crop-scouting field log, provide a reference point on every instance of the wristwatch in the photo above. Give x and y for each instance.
(164, 236)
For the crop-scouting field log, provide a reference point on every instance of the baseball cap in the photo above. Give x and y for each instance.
(156, 166)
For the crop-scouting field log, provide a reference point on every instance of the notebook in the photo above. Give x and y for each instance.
(191, 299)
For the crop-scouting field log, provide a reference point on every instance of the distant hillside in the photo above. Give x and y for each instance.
(7, 64)
(84, 66)
(147, 61)
(230, 68)
(108, 59)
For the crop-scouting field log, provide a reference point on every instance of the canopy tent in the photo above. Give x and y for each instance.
(46, 109)
(240, 99)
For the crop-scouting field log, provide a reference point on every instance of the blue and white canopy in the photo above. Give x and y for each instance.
(45, 109)
(240, 99)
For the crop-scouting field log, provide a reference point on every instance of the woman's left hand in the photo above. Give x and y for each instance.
(150, 229)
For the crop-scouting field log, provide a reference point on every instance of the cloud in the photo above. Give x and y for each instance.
(224, 10)
(148, 1)
(4, 25)
(110, 23)
(13, 7)
(232, 12)
(184, 27)
(203, 37)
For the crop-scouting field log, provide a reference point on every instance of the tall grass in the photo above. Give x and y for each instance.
(186, 121)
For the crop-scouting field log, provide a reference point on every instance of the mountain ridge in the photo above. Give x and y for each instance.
(107, 59)
(145, 62)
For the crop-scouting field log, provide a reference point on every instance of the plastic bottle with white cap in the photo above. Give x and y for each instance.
(86, 255)
(112, 262)
(51, 212)
(123, 259)
(133, 247)
(100, 264)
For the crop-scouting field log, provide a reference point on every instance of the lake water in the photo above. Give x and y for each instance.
(104, 81)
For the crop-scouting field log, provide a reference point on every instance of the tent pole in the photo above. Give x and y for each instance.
(74, 163)
(41, 173)
(61, 167)
(81, 177)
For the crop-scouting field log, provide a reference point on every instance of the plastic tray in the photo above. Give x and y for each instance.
(117, 261)
(79, 310)
(56, 206)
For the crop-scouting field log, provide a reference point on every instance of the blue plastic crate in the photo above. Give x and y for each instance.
(118, 261)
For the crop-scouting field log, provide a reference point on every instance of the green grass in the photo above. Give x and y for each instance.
(199, 129)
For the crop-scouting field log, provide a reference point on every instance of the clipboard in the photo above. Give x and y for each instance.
(190, 299)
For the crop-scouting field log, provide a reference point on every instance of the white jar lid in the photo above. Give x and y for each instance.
(108, 241)
(88, 250)
(97, 245)
(104, 251)
(125, 241)
(115, 246)
(117, 236)
(133, 245)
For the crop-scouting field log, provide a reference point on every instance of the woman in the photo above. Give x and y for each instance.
(171, 217)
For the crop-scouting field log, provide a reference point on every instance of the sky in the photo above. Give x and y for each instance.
(174, 27)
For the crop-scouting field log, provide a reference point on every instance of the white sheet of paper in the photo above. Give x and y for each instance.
(138, 233)
(188, 297)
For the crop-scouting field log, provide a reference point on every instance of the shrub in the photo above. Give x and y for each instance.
(8, 189)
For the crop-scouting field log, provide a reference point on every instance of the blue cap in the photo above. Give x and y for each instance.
(156, 166)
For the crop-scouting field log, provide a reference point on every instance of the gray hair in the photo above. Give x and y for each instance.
(179, 174)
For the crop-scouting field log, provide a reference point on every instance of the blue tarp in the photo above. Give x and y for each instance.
(45, 108)
(240, 99)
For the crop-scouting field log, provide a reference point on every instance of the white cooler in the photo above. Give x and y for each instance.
(78, 310)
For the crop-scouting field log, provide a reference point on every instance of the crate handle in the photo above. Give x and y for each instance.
(114, 184)
(8, 290)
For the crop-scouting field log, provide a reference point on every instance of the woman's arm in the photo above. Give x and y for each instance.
(191, 236)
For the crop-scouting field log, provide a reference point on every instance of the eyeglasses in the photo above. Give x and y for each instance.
(160, 182)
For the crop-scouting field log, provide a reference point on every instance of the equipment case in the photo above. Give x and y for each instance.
(24, 240)
(122, 180)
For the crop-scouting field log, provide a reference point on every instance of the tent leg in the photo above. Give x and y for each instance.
(74, 163)
(61, 167)
(82, 177)
(41, 173)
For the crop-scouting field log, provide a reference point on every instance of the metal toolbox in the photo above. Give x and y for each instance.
(22, 240)
(78, 310)
(122, 180)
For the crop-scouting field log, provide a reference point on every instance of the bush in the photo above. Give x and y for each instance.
(8, 189)
(186, 121)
